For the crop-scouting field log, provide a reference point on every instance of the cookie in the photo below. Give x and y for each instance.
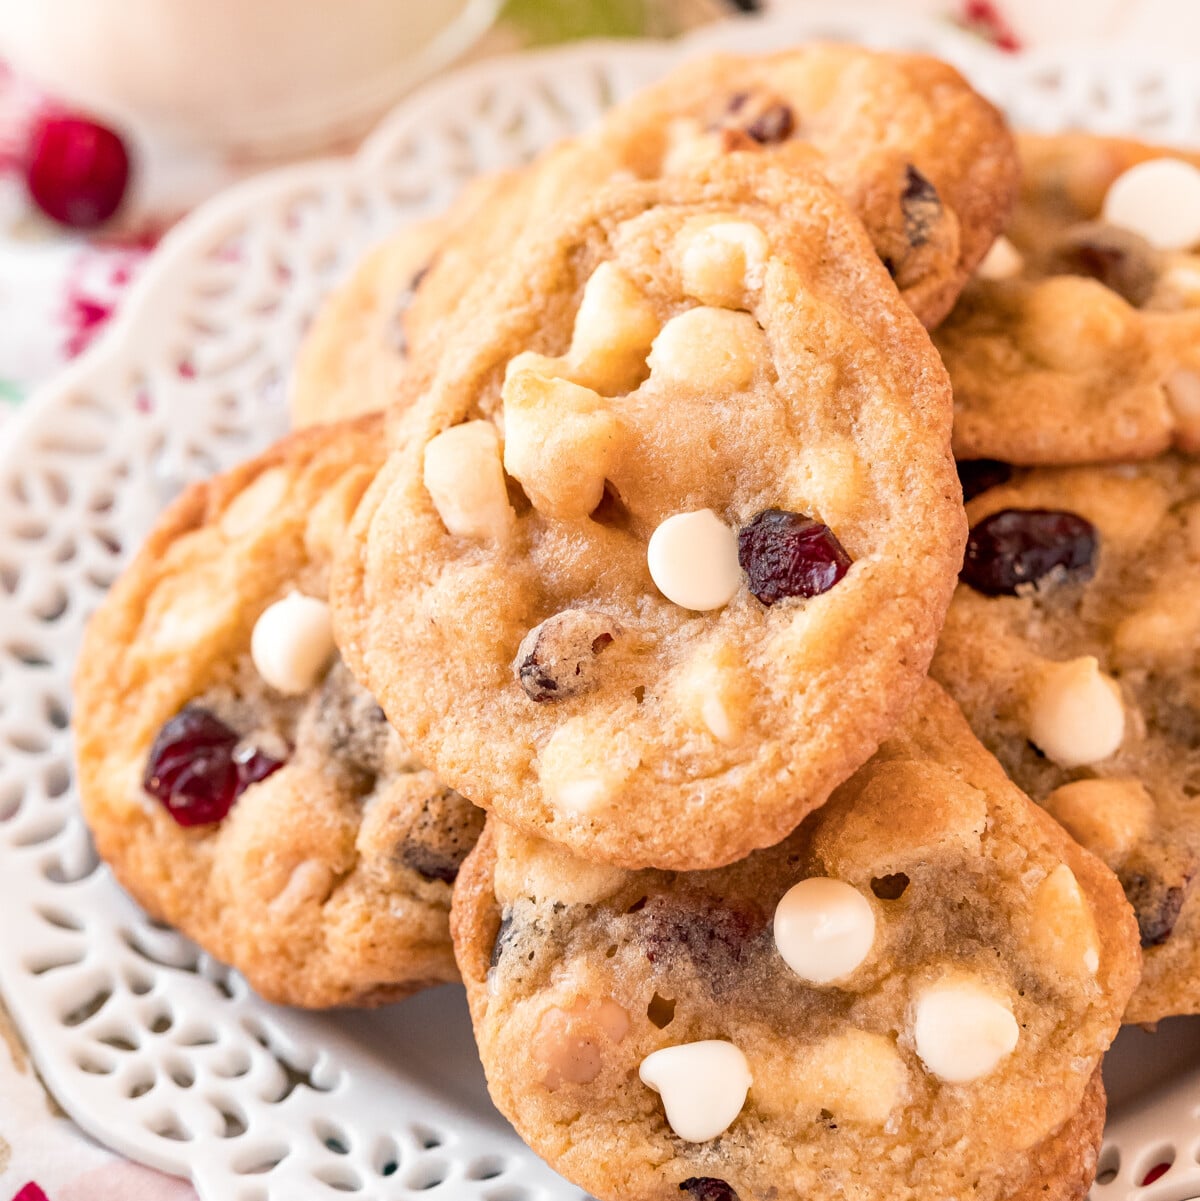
(1073, 647)
(701, 574)
(907, 998)
(353, 356)
(238, 781)
(1080, 340)
(925, 162)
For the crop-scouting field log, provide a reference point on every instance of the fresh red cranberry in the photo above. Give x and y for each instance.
(978, 475)
(76, 170)
(707, 1188)
(788, 554)
(1015, 548)
(31, 1192)
(194, 770)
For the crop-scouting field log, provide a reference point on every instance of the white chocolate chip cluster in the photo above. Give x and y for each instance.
(562, 418)
(959, 1023)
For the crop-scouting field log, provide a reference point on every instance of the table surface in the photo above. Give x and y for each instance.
(57, 291)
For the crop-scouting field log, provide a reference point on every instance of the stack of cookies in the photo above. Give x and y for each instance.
(623, 543)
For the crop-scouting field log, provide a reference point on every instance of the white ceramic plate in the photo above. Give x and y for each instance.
(148, 1044)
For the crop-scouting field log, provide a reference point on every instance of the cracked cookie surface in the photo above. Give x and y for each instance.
(1073, 646)
(926, 957)
(242, 786)
(672, 528)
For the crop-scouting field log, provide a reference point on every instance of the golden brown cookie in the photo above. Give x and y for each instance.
(353, 357)
(1073, 646)
(908, 998)
(925, 162)
(238, 781)
(1080, 340)
(702, 574)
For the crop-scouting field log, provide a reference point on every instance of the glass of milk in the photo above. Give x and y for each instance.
(261, 78)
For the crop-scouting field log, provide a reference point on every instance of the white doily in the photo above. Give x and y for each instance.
(151, 1046)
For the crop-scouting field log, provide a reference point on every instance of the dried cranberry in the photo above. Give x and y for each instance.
(788, 554)
(561, 657)
(1120, 259)
(1157, 902)
(760, 117)
(258, 765)
(441, 836)
(978, 475)
(707, 1188)
(714, 934)
(1018, 547)
(772, 125)
(891, 887)
(194, 770)
(503, 935)
(921, 206)
(76, 170)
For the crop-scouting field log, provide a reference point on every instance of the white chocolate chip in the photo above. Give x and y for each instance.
(528, 867)
(1164, 621)
(713, 693)
(693, 560)
(310, 883)
(722, 261)
(703, 1086)
(689, 145)
(254, 506)
(581, 768)
(854, 1075)
(1160, 200)
(1182, 387)
(614, 328)
(717, 718)
(570, 1044)
(824, 929)
(465, 481)
(962, 1029)
(1076, 716)
(829, 480)
(1002, 261)
(1062, 930)
(1179, 283)
(560, 439)
(1109, 817)
(292, 643)
(708, 348)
